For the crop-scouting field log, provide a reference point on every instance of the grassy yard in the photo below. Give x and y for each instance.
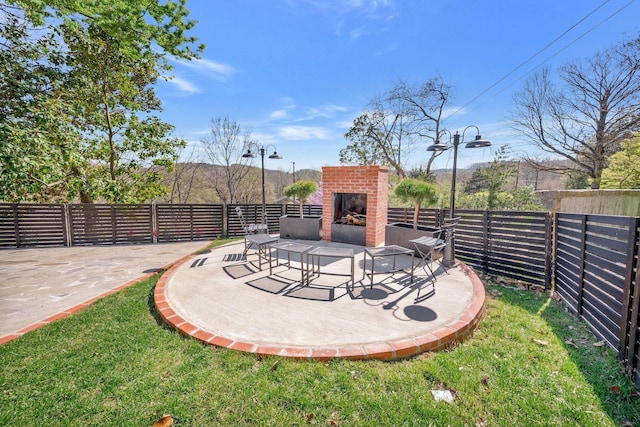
(114, 364)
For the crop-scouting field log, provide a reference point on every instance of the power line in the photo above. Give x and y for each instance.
(547, 46)
(548, 58)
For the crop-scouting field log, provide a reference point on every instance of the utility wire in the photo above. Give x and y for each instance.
(550, 57)
(547, 46)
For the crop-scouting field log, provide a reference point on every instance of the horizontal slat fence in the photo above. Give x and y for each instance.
(29, 225)
(98, 224)
(175, 223)
(307, 210)
(252, 214)
(596, 277)
(510, 244)
(428, 217)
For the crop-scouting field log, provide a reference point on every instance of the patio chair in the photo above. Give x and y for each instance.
(250, 228)
(429, 247)
(447, 232)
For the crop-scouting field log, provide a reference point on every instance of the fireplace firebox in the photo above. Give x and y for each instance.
(349, 218)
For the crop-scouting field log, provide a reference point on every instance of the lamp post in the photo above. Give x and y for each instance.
(251, 154)
(448, 258)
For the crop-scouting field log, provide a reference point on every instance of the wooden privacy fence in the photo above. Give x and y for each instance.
(511, 244)
(598, 277)
(591, 260)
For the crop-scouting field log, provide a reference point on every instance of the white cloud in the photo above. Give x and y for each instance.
(357, 32)
(279, 114)
(326, 111)
(304, 133)
(215, 70)
(184, 85)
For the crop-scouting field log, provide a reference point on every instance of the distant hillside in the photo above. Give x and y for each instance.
(526, 175)
(196, 182)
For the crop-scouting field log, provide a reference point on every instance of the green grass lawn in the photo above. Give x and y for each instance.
(114, 364)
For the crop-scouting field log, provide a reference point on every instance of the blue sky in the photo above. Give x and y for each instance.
(296, 73)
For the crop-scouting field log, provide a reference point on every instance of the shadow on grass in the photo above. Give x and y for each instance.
(597, 363)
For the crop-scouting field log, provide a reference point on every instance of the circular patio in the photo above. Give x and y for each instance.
(224, 299)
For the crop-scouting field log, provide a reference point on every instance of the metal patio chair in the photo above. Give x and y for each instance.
(429, 248)
(250, 228)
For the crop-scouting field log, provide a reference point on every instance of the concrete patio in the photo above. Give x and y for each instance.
(223, 299)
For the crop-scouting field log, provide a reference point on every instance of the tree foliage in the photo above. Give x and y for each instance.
(493, 178)
(138, 26)
(584, 118)
(77, 98)
(417, 192)
(624, 166)
(35, 152)
(302, 190)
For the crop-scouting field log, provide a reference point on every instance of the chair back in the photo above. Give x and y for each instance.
(448, 229)
(241, 218)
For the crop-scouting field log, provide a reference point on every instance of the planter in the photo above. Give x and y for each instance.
(294, 227)
(399, 233)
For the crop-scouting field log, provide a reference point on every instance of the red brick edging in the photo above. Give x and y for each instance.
(441, 339)
(68, 312)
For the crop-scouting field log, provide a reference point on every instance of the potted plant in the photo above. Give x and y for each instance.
(419, 193)
(299, 227)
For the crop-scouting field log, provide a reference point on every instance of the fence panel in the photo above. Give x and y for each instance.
(593, 262)
(253, 215)
(428, 217)
(631, 322)
(175, 223)
(510, 244)
(307, 210)
(32, 225)
(101, 224)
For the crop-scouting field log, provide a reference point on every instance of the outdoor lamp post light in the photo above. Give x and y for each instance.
(448, 258)
(251, 154)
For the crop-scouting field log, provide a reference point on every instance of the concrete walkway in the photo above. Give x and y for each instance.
(43, 284)
(223, 299)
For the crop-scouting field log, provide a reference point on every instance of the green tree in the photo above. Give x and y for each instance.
(301, 190)
(576, 181)
(113, 98)
(493, 178)
(36, 141)
(417, 192)
(80, 123)
(139, 27)
(624, 166)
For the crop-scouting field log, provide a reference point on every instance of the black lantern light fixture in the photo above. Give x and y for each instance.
(448, 258)
(252, 155)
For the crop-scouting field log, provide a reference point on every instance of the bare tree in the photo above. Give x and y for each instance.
(224, 147)
(182, 178)
(394, 122)
(585, 118)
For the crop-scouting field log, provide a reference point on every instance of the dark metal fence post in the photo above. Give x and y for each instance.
(583, 254)
(629, 318)
(550, 248)
(16, 224)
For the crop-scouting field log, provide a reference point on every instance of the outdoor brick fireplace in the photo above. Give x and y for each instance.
(354, 204)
